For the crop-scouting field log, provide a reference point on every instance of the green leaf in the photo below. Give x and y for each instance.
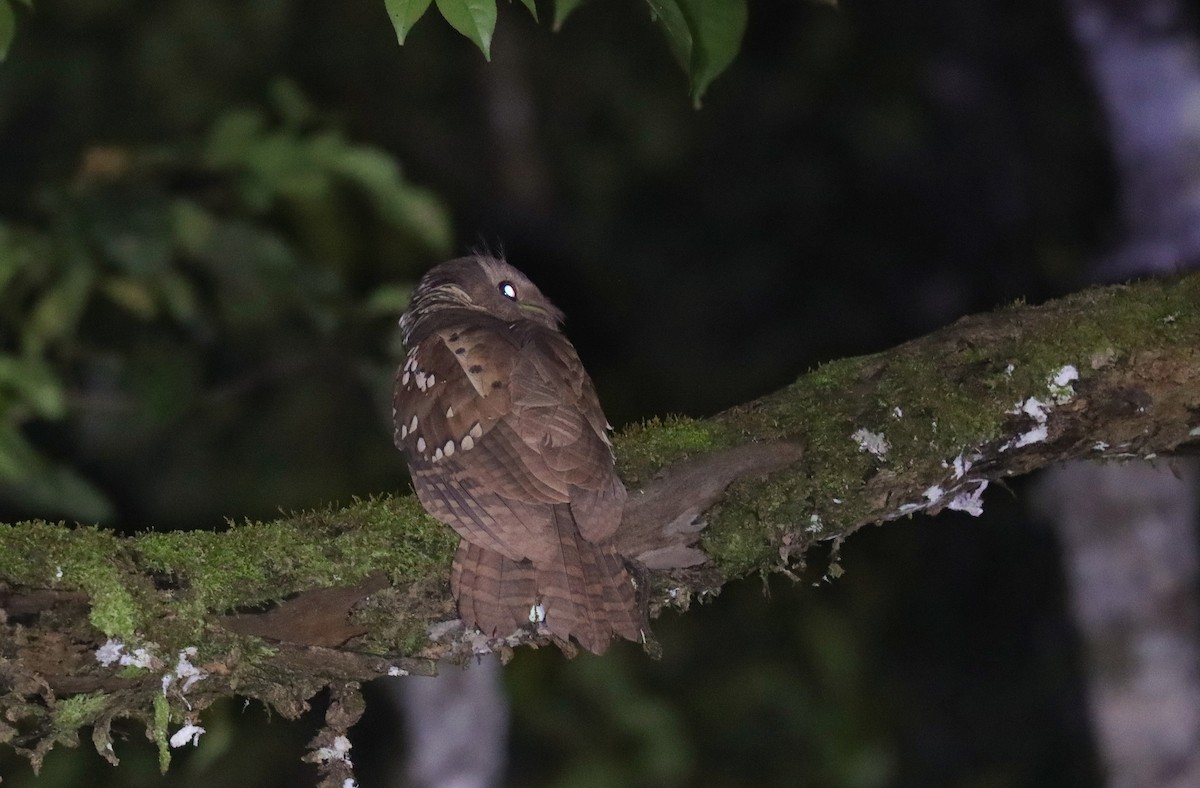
(8, 27)
(56, 314)
(401, 204)
(475, 19)
(562, 9)
(294, 108)
(179, 295)
(18, 460)
(675, 26)
(404, 14)
(532, 6)
(704, 35)
(232, 136)
(717, 29)
(56, 491)
(35, 383)
(133, 294)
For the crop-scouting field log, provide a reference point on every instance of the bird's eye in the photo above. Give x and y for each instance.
(508, 291)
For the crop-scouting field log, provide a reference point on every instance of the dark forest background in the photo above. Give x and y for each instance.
(210, 216)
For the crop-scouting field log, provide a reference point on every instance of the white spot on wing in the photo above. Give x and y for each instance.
(450, 412)
(420, 444)
(449, 448)
(467, 443)
(476, 431)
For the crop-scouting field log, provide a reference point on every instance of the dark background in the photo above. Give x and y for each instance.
(858, 177)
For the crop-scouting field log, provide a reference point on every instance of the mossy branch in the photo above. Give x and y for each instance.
(279, 610)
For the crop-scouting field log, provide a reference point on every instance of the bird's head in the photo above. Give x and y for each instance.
(479, 283)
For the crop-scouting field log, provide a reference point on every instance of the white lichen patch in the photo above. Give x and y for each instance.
(394, 670)
(340, 751)
(967, 497)
(1034, 408)
(110, 652)
(815, 526)
(1060, 386)
(1061, 391)
(969, 501)
(537, 614)
(185, 671)
(1035, 435)
(897, 413)
(1099, 446)
(140, 658)
(184, 675)
(1040, 413)
(188, 733)
(113, 651)
(1194, 432)
(962, 463)
(873, 442)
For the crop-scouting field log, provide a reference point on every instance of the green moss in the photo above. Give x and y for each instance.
(642, 449)
(263, 561)
(71, 714)
(115, 612)
(163, 587)
(737, 542)
(162, 718)
(51, 555)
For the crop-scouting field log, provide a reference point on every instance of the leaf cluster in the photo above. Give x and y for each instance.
(704, 35)
(116, 296)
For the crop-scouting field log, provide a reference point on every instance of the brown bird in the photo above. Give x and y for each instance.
(507, 444)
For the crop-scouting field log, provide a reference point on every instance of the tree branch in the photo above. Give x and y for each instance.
(362, 591)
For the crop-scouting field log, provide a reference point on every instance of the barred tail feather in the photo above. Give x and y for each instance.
(587, 594)
(584, 589)
(494, 593)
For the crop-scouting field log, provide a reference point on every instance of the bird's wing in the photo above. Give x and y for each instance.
(499, 425)
(557, 415)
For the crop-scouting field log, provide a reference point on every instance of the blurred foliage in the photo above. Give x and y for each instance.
(8, 24)
(197, 250)
(198, 301)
